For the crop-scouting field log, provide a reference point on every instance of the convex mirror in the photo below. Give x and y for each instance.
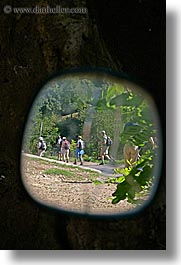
(92, 145)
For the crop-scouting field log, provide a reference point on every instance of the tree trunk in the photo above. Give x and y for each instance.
(32, 48)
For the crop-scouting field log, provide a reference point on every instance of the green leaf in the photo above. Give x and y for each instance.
(101, 104)
(98, 182)
(117, 199)
(145, 175)
(120, 192)
(131, 193)
(116, 100)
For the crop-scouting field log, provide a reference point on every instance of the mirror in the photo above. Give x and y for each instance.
(92, 145)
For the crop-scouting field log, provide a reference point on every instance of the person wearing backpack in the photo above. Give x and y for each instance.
(41, 147)
(65, 149)
(79, 150)
(105, 145)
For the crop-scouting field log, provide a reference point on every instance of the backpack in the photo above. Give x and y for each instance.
(67, 145)
(109, 141)
(43, 145)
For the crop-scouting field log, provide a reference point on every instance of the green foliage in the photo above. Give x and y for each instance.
(49, 132)
(97, 182)
(72, 148)
(103, 120)
(138, 135)
(58, 171)
(135, 179)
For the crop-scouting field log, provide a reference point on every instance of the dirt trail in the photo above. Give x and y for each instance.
(75, 191)
(107, 169)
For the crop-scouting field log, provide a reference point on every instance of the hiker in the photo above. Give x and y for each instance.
(105, 144)
(79, 150)
(59, 145)
(41, 147)
(65, 149)
(130, 151)
(130, 154)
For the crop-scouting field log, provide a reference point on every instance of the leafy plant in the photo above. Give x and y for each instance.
(135, 179)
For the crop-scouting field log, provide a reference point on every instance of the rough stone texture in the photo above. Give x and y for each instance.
(33, 47)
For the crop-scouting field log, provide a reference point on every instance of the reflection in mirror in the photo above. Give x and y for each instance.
(92, 145)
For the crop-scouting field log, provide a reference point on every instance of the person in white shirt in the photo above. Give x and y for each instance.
(79, 150)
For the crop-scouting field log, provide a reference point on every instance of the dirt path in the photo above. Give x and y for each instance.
(107, 169)
(72, 187)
